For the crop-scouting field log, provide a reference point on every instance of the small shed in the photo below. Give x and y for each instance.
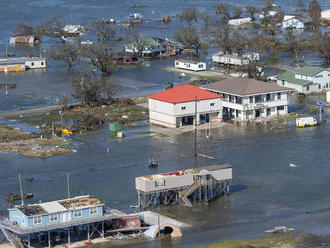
(190, 65)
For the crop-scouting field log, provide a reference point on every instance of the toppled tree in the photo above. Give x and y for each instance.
(102, 56)
(93, 90)
(68, 53)
(103, 30)
(190, 39)
(314, 11)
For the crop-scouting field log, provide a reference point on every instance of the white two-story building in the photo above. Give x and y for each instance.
(182, 105)
(249, 99)
(307, 79)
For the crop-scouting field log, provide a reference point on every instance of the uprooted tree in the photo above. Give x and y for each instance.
(93, 89)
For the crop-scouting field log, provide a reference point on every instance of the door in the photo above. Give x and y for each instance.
(257, 113)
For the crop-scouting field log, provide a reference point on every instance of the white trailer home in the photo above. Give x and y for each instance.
(190, 65)
(234, 59)
(179, 106)
(292, 21)
(240, 21)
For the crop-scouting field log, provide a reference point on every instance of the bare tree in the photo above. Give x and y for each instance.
(300, 6)
(251, 10)
(190, 39)
(102, 56)
(223, 11)
(68, 53)
(189, 15)
(238, 13)
(222, 39)
(54, 27)
(321, 43)
(93, 90)
(103, 30)
(315, 13)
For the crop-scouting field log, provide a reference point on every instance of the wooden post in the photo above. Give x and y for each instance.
(21, 188)
(228, 188)
(29, 241)
(49, 243)
(88, 232)
(69, 238)
(68, 183)
(102, 229)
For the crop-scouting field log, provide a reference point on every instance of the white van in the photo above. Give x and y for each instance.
(306, 122)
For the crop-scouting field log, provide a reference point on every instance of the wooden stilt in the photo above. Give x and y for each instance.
(88, 232)
(102, 229)
(69, 238)
(49, 243)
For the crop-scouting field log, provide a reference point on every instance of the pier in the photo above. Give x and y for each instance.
(184, 187)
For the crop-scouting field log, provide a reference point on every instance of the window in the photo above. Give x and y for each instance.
(307, 88)
(77, 213)
(319, 86)
(238, 100)
(183, 108)
(268, 97)
(93, 211)
(177, 63)
(32, 64)
(42, 63)
(37, 220)
(200, 66)
(257, 99)
(282, 82)
(251, 99)
(279, 96)
(280, 108)
(212, 104)
(327, 85)
(53, 217)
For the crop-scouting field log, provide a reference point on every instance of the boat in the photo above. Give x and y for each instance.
(152, 163)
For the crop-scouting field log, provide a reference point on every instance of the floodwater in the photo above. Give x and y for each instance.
(267, 191)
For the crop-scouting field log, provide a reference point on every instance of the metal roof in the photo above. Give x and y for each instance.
(184, 93)
(309, 70)
(53, 207)
(289, 76)
(243, 87)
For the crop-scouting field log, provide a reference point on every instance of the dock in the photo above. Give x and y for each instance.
(183, 187)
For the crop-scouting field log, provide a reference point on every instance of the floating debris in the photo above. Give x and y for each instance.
(293, 165)
(280, 229)
(29, 179)
(8, 85)
(12, 197)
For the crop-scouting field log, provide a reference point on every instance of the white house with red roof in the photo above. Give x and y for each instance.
(179, 106)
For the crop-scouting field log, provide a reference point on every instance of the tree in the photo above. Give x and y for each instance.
(93, 90)
(221, 37)
(66, 52)
(238, 12)
(103, 30)
(321, 43)
(189, 15)
(223, 11)
(314, 11)
(102, 56)
(251, 10)
(190, 39)
(54, 27)
(293, 42)
(300, 6)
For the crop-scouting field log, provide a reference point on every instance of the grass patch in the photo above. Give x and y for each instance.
(275, 240)
(54, 142)
(212, 78)
(11, 134)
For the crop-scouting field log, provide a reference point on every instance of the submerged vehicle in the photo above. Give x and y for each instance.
(306, 122)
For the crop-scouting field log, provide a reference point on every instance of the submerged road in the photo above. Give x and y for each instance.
(35, 110)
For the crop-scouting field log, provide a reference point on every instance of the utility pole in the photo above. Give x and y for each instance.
(195, 126)
(68, 183)
(21, 188)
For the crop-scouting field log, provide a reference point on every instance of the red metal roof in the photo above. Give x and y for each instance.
(183, 93)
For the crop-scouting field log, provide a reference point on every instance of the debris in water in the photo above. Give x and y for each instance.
(293, 165)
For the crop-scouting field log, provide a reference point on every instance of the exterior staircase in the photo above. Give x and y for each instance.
(185, 193)
(13, 239)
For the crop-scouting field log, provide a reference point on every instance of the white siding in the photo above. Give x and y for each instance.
(198, 66)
